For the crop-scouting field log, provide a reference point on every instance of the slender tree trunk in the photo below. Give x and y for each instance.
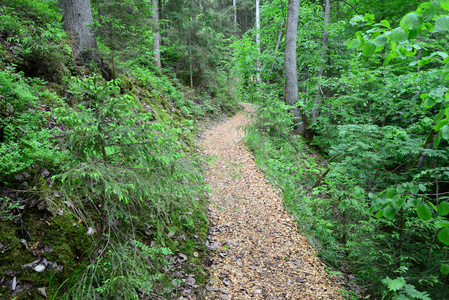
(276, 50)
(78, 14)
(324, 43)
(156, 36)
(291, 71)
(235, 14)
(258, 40)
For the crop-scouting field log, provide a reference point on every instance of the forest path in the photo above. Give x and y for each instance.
(259, 253)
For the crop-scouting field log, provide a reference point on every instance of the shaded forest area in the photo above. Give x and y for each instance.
(101, 186)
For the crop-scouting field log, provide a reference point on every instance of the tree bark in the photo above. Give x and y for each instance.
(324, 41)
(77, 19)
(258, 40)
(156, 36)
(291, 71)
(235, 14)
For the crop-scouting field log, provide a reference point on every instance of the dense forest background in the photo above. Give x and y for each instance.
(100, 180)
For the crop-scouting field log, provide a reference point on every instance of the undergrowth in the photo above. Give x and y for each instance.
(387, 239)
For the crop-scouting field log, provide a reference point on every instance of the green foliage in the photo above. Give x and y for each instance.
(25, 141)
(41, 42)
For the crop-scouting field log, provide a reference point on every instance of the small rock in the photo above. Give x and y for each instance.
(42, 291)
(90, 231)
(14, 284)
(195, 254)
(189, 280)
(258, 291)
(182, 258)
(39, 268)
(182, 237)
(41, 205)
(75, 225)
(148, 231)
(224, 297)
(48, 249)
(45, 173)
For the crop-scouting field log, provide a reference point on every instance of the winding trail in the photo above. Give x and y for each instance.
(258, 251)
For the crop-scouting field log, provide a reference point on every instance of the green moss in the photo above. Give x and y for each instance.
(125, 84)
(71, 247)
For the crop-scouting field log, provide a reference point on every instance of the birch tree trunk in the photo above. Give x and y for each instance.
(156, 35)
(235, 13)
(258, 40)
(78, 14)
(324, 41)
(291, 71)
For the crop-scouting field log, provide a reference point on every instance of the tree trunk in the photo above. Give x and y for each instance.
(156, 36)
(291, 71)
(235, 14)
(324, 41)
(78, 14)
(258, 40)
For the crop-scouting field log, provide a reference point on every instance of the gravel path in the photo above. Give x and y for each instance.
(258, 252)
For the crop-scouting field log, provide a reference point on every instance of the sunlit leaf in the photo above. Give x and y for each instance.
(413, 21)
(399, 35)
(442, 24)
(355, 43)
(380, 41)
(368, 49)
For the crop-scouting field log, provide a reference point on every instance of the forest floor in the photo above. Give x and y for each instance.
(257, 250)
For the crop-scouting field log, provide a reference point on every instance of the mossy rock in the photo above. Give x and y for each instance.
(125, 84)
(70, 244)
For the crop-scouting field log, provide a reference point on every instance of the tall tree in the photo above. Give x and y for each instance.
(291, 70)
(156, 35)
(324, 42)
(258, 39)
(77, 21)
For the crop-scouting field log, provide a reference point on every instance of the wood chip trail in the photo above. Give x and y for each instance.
(259, 253)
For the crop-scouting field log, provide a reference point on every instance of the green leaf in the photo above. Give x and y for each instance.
(355, 43)
(431, 11)
(443, 208)
(414, 189)
(379, 214)
(445, 4)
(396, 284)
(440, 116)
(440, 123)
(385, 23)
(443, 236)
(380, 41)
(357, 20)
(391, 55)
(368, 49)
(442, 24)
(444, 269)
(424, 212)
(429, 102)
(399, 35)
(443, 224)
(400, 189)
(389, 212)
(445, 132)
(413, 21)
(430, 27)
(422, 187)
(414, 33)
(343, 204)
(437, 141)
(390, 194)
